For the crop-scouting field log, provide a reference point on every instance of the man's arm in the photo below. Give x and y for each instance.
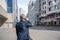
(29, 24)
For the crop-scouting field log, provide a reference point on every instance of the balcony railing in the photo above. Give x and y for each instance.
(57, 17)
(48, 20)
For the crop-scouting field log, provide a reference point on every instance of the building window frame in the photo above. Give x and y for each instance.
(32, 4)
(9, 6)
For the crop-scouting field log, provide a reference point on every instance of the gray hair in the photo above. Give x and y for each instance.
(22, 16)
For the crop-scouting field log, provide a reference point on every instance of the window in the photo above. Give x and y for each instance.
(32, 3)
(39, 5)
(59, 14)
(44, 3)
(45, 12)
(9, 9)
(39, 9)
(50, 9)
(37, 15)
(39, 1)
(9, 1)
(50, 2)
(9, 6)
(45, 7)
(55, 0)
(55, 7)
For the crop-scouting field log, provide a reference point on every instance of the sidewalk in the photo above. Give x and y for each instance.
(7, 34)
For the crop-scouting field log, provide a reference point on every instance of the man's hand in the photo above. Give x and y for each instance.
(27, 19)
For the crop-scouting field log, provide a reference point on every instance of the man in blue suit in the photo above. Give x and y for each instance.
(22, 28)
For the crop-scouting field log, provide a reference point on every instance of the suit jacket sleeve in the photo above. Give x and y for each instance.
(29, 24)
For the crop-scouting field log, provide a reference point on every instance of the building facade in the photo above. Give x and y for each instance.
(33, 10)
(15, 11)
(3, 15)
(50, 12)
(20, 11)
(44, 12)
(7, 11)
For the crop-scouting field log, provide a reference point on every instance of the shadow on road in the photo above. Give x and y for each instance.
(51, 28)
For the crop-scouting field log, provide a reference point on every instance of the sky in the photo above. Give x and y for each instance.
(24, 5)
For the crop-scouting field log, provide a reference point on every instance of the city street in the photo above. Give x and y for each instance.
(16, 13)
(7, 34)
(45, 33)
(36, 33)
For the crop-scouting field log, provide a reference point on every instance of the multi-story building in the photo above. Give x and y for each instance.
(3, 15)
(50, 12)
(15, 11)
(20, 11)
(33, 10)
(7, 11)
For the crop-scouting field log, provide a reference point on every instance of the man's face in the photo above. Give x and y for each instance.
(24, 17)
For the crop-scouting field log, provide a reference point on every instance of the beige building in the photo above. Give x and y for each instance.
(3, 15)
(6, 17)
(50, 12)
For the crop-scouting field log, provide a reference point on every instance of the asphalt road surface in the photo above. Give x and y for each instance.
(36, 33)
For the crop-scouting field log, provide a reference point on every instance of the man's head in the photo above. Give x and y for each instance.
(22, 16)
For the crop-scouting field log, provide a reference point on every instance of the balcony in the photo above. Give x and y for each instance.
(48, 20)
(57, 17)
(42, 15)
(55, 11)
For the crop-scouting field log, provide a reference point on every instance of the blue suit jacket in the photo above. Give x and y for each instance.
(23, 27)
